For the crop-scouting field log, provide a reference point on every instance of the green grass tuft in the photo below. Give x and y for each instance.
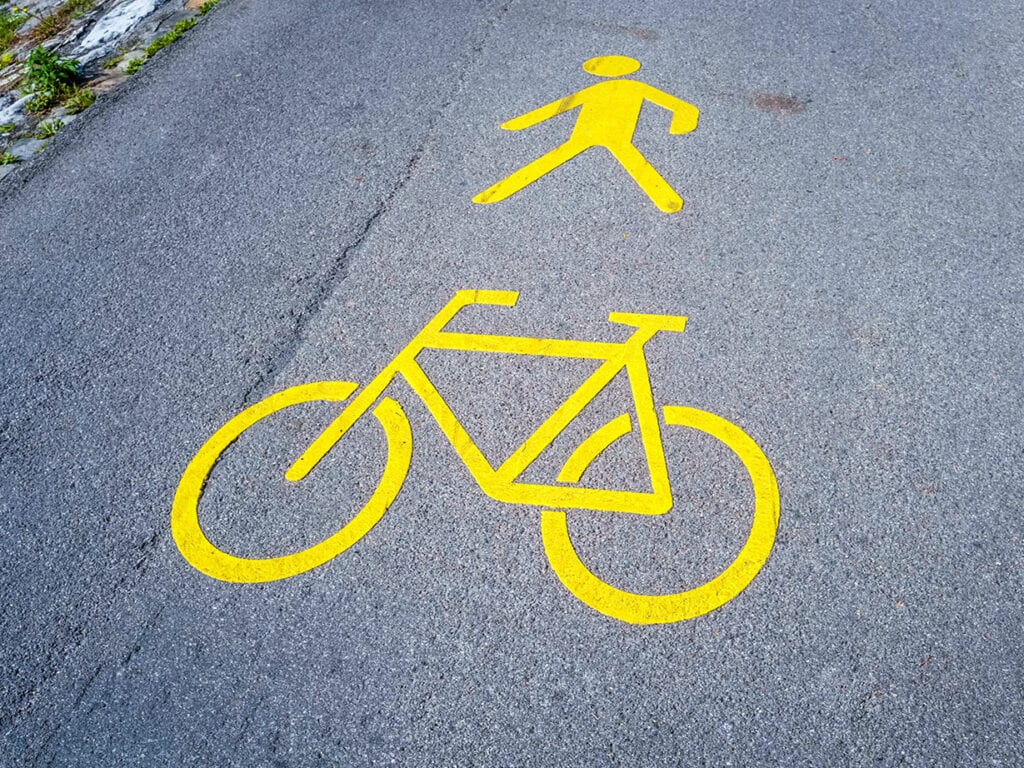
(49, 129)
(135, 65)
(80, 100)
(41, 102)
(9, 23)
(163, 41)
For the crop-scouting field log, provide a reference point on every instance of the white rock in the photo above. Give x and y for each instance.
(26, 148)
(110, 28)
(15, 111)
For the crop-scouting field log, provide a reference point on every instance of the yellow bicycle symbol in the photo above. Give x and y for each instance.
(503, 483)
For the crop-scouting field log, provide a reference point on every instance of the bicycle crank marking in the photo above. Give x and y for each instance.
(504, 482)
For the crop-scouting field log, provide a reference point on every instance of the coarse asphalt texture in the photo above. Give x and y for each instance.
(285, 196)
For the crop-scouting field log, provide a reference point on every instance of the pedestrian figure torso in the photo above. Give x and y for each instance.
(609, 112)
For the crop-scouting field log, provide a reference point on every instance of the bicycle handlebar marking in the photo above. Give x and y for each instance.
(502, 483)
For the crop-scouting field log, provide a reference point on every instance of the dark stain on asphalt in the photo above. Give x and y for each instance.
(640, 33)
(778, 103)
(635, 32)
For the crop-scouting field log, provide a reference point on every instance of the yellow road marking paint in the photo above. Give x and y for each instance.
(593, 447)
(206, 557)
(609, 112)
(504, 482)
(664, 609)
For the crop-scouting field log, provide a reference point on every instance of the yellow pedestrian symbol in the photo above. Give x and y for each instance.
(608, 118)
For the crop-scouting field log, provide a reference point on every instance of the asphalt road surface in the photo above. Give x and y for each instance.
(285, 196)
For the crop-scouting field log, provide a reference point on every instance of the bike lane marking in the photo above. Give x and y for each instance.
(502, 483)
(205, 556)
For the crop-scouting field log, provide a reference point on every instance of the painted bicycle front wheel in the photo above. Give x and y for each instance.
(667, 608)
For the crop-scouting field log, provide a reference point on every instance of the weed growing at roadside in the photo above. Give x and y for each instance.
(208, 6)
(60, 18)
(9, 23)
(7, 158)
(49, 78)
(163, 41)
(81, 99)
(80, 7)
(160, 43)
(49, 129)
(45, 72)
(10, 20)
(41, 102)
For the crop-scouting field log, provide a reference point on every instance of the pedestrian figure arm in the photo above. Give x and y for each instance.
(684, 115)
(541, 114)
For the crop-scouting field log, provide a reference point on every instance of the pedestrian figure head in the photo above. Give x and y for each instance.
(611, 66)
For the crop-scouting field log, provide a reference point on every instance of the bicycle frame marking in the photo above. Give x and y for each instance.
(502, 483)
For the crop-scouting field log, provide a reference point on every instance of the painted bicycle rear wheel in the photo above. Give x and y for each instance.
(205, 556)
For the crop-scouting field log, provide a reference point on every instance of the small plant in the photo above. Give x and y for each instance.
(79, 8)
(208, 6)
(26, 12)
(49, 129)
(45, 72)
(41, 102)
(163, 41)
(7, 129)
(9, 23)
(8, 158)
(49, 77)
(80, 100)
(135, 65)
(60, 18)
(6, 59)
(40, 148)
(113, 61)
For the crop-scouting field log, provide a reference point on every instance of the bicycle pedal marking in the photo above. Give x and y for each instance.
(504, 482)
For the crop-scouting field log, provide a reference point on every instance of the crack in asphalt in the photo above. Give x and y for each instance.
(279, 359)
(292, 341)
(32, 684)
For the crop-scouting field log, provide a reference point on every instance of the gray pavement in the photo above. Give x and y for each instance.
(284, 196)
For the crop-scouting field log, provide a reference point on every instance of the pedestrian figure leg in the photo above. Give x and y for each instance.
(650, 181)
(531, 172)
